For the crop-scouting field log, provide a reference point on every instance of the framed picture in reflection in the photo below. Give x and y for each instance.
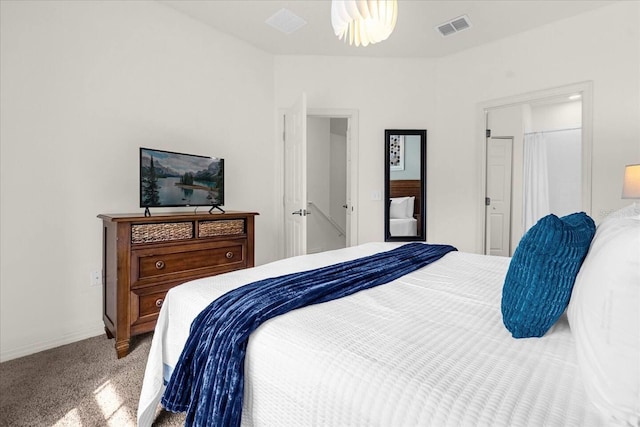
(396, 153)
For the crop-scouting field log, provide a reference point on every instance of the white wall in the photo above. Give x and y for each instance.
(562, 115)
(84, 85)
(602, 46)
(318, 162)
(338, 178)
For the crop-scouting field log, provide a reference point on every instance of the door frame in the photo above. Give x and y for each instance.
(352, 170)
(586, 90)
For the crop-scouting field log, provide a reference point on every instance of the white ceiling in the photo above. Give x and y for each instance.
(414, 35)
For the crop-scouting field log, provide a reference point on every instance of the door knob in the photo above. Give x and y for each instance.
(301, 212)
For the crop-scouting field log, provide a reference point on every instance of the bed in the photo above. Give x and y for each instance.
(427, 349)
(403, 227)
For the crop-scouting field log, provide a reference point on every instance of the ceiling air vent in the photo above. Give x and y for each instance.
(457, 24)
(286, 21)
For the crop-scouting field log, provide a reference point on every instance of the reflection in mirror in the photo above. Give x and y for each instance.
(405, 184)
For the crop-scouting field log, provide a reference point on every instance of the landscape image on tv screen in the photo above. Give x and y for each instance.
(176, 179)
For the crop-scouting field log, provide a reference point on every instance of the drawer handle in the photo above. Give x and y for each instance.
(229, 255)
(159, 302)
(160, 265)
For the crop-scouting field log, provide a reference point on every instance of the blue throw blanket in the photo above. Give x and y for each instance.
(208, 380)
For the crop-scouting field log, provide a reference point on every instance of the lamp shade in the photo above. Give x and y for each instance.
(363, 21)
(631, 184)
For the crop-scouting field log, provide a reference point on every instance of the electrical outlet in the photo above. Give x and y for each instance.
(95, 278)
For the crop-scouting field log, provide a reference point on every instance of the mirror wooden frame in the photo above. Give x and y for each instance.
(400, 188)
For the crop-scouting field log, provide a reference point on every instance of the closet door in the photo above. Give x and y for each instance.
(498, 202)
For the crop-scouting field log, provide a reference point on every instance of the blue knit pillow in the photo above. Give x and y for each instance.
(543, 269)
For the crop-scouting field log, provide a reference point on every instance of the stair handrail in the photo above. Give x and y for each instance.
(330, 220)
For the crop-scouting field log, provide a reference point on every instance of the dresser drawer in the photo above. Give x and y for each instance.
(186, 261)
(145, 307)
(225, 227)
(150, 304)
(162, 232)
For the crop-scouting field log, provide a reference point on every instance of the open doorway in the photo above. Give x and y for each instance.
(326, 183)
(295, 209)
(536, 161)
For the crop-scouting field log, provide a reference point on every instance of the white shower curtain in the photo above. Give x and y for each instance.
(536, 179)
(564, 157)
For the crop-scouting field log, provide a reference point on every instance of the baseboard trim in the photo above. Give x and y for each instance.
(37, 347)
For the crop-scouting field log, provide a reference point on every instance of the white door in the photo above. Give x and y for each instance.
(498, 198)
(295, 178)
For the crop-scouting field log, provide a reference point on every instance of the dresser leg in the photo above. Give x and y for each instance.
(122, 348)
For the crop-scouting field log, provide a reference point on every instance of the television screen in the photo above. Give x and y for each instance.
(175, 179)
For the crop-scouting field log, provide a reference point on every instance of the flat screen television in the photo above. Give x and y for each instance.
(169, 179)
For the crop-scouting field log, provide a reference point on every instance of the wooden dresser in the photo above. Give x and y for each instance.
(144, 257)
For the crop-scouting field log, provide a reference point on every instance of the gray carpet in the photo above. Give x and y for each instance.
(79, 384)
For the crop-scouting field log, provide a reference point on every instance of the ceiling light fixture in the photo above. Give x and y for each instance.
(363, 21)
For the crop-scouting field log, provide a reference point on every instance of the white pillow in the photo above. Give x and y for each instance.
(604, 315)
(410, 202)
(398, 207)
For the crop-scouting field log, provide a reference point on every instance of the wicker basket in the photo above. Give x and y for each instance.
(221, 227)
(162, 232)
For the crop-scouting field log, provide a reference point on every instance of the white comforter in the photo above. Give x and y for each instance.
(428, 349)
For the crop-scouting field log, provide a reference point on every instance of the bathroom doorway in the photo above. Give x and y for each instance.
(536, 161)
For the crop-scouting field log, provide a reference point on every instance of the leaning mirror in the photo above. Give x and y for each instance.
(405, 184)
